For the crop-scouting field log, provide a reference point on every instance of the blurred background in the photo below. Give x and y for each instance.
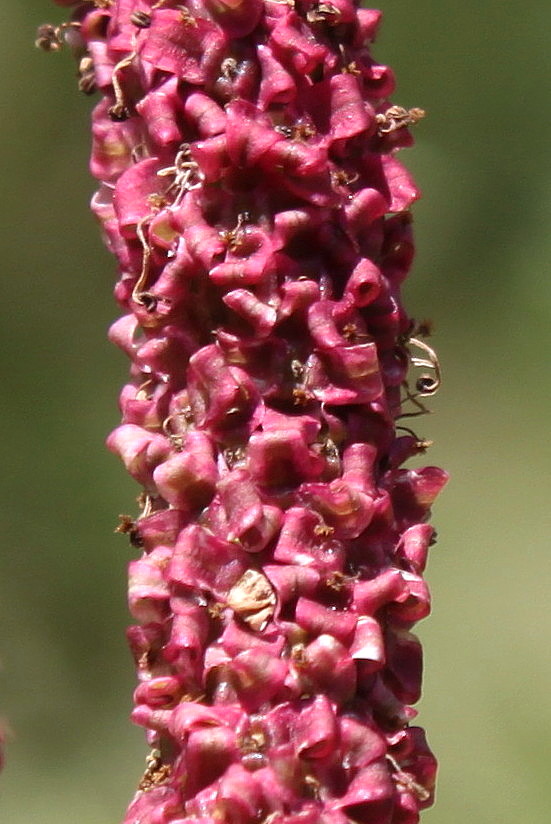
(482, 71)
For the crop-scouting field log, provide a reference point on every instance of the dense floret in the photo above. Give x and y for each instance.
(250, 191)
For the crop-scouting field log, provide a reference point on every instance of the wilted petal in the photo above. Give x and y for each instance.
(369, 21)
(414, 545)
(364, 207)
(403, 191)
(221, 396)
(282, 459)
(350, 114)
(361, 743)
(317, 619)
(405, 665)
(414, 490)
(158, 806)
(260, 316)
(277, 85)
(161, 527)
(148, 591)
(297, 297)
(235, 639)
(368, 644)
(249, 133)
(159, 692)
(260, 677)
(290, 580)
(210, 750)
(315, 731)
(293, 42)
(202, 560)
(189, 716)
(188, 47)
(161, 110)
(140, 451)
(369, 799)
(112, 144)
(364, 283)
(187, 480)
(237, 17)
(187, 637)
(305, 541)
(166, 354)
(326, 667)
(370, 596)
(247, 261)
(202, 240)
(239, 796)
(207, 117)
(346, 509)
(251, 523)
(416, 605)
(132, 191)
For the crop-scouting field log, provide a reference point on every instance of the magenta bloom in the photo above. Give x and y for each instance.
(250, 191)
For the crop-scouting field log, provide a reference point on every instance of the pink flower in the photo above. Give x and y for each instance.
(251, 194)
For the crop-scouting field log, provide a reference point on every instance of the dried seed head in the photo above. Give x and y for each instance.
(253, 599)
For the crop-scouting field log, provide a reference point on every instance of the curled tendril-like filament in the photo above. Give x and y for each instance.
(137, 293)
(119, 111)
(426, 384)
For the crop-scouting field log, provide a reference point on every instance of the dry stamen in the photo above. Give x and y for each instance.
(119, 111)
(324, 13)
(86, 76)
(155, 772)
(141, 19)
(396, 117)
(323, 530)
(139, 296)
(234, 237)
(406, 781)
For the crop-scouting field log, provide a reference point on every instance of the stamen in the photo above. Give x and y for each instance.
(137, 293)
(86, 76)
(119, 111)
(155, 771)
(396, 117)
(234, 237)
(187, 175)
(426, 384)
(406, 781)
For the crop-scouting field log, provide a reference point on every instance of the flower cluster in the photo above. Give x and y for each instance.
(250, 192)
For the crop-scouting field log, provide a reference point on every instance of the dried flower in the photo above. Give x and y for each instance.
(251, 194)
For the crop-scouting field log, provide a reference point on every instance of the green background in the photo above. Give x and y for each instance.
(482, 71)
